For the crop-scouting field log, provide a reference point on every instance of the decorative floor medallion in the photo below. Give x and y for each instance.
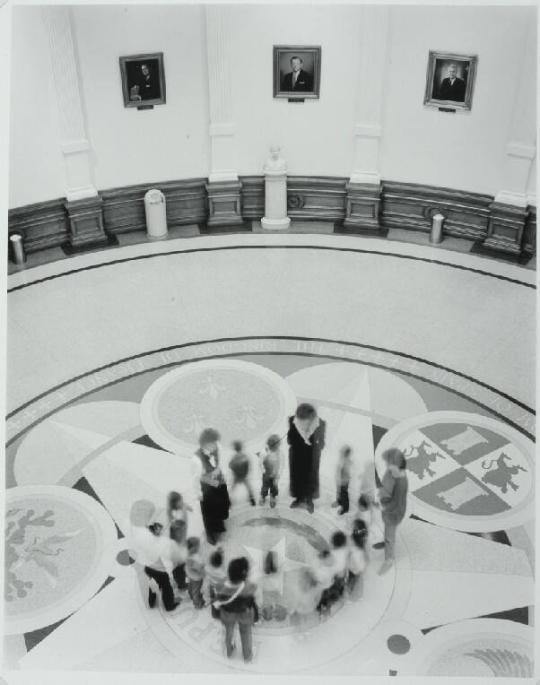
(296, 537)
(479, 647)
(465, 471)
(60, 546)
(242, 400)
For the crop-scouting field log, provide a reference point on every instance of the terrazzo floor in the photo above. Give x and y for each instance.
(414, 349)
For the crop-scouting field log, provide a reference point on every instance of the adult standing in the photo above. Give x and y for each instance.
(236, 604)
(393, 500)
(209, 485)
(306, 438)
(152, 550)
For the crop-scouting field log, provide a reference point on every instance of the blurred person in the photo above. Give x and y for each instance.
(236, 603)
(240, 468)
(209, 485)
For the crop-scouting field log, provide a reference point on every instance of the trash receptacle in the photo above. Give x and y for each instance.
(156, 214)
(17, 248)
(436, 235)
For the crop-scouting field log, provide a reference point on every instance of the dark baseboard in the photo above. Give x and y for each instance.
(368, 232)
(69, 249)
(244, 227)
(309, 198)
(522, 259)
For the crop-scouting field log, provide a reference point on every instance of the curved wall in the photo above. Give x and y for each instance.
(132, 146)
(35, 164)
(462, 150)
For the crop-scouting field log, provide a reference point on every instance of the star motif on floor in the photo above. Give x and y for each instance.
(285, 564)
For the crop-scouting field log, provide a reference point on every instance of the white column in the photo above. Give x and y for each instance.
(73, 139)
(222, 128)
(521, 143)
(275, 192)
(370, 94)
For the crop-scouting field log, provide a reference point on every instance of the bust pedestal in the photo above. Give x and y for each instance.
(275, 193)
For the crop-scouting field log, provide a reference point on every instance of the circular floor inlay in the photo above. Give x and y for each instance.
(398, 644)
(60, 544)
(242, 400)
(280, 644)
(479, 647)
(465, 471)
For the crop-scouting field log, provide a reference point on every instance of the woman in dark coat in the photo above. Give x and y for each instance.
(209, 485)
(306, 438)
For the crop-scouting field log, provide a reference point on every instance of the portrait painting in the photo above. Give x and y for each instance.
(450, 80)
(143, 80)
(297, 71)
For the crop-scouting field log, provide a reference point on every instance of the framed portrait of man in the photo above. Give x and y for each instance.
(143, 80)
(297, 71)
(450, 80)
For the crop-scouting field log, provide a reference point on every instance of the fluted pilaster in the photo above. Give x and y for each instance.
(222, 129)
(73, 138)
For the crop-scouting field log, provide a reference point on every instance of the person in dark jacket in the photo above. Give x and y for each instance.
(236, 603)
(146, 86)
(452, 87)
(297, 79)
(209, 485)
(306, 438)
(393, 501)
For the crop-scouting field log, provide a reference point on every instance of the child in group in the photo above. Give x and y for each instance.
(357, 562)
(215, 575)
(177, 509)
(270, 585)
(178, 554)
(306, 599)
(240, 467)
(343, 480)
(360, 529)
(177, 515)
(271, 467)
(195, 572)
(324, 574)
(340, 553)
(365, 510)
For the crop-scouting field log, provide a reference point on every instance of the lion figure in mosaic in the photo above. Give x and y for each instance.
(501, 476)
(419, 459)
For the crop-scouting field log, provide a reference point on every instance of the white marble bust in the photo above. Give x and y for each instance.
(275, 163)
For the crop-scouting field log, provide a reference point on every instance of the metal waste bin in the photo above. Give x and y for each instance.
(17, 248)
(156, 214)
(436, 235)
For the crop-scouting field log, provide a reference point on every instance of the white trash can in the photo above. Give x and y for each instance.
(156, 214)
(436, 235)
(17, 248)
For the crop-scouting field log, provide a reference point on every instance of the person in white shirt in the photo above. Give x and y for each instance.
(357, 563)
(152, 551)
(270, 587)
(306, 598)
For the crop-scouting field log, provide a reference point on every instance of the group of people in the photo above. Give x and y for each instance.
(178, 564)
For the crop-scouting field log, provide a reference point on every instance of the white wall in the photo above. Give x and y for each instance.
(461, 150)
(419, 144)
(316, 136)
(168, 142)
(35, 165)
